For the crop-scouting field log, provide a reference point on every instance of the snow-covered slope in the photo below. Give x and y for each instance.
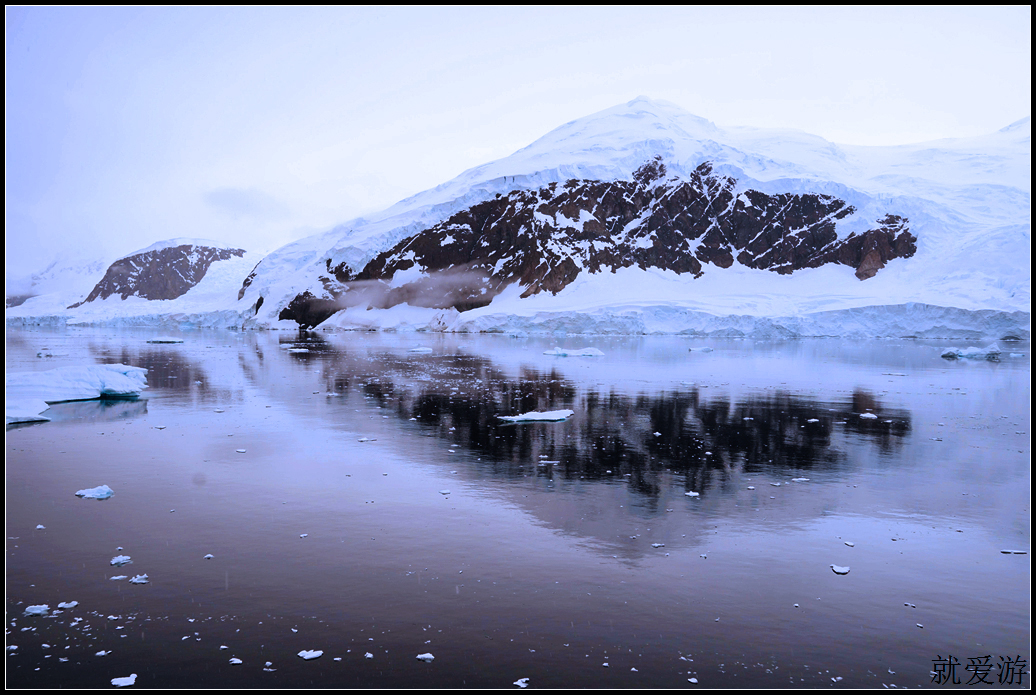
(645, 218)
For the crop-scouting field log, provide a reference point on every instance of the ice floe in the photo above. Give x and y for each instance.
(990, 352)
(139, 579)
(101, 492)
(26, 391)
(534, 416)
(426, 657)
(840, 570)
(120, 560)
(308, 654)
(118, 577)
(40, 609)
(581, 352)
(868, 416)
(125, 682)
(68, 604)
(693, 494)
(522, 682)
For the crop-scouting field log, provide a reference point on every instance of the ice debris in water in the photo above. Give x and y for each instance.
(990, 352)
(125, 682)
(868, 416)
(28, 393)
(40, 609)
(581, 352)
(68, 604)
(658, 545)
(420, 350)
(426, 657)
(840, 570)
(522, 682)
(692, 494)
(209, 556)
(548, 416)
(1013, 552)
(118, 577)
(235, 660)
(139, 579)
(166, 339)
(101, 492)
(120, 560)
(699, 349)
(308, 654)
(40, 527)
(800, 480)
(444, 492)
(368, 655)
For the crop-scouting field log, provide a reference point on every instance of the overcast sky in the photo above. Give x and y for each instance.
(258, 126)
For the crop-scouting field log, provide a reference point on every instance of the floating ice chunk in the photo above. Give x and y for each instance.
(850, 544)
(25, 410)
(658, 545)
(235, 660)
(368, 655)
(40, 609)
(77, 383)
(426, 657)
(692, 680)
(420, 350)
(522, 682)
(692, 494)
(118, 577)
(120, 560)
(699, 349)
(241, 451)
(303, 535)
(68, 604)
(164, 339)
(840, 570)
(775, 484)
(990, 352)
(208, 557)
(102, 653)
(444, 492)
(139, 579)
(548, 416)
(1014, 552)
(800, 480)
(581, 352)
(868, 416)
(308, 654)
(40, 527)
(813, 419)
(102, 492)
(125, 682)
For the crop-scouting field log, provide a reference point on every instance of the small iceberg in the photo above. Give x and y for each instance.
(990, 352)
(120, 560)
(125, 682)
(27, 392)
(41, 609)
(868, 416)
(101, 492)
(68, 604)
(548, 416)
(693, 494)
(581, 352)
(308, 654)
(139, 579)
(427, 657)
(840, 570)
(522, 682)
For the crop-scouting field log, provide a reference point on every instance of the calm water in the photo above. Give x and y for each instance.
(567, 553)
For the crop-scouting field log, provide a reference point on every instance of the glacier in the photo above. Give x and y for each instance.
(967, 199)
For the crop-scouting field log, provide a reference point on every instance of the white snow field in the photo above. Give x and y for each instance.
(27, 394)
(967, 201)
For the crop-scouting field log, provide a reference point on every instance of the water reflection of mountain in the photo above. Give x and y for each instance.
(611, 435)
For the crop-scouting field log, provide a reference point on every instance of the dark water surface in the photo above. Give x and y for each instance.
(566, 552)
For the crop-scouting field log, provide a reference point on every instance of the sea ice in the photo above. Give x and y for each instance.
(68, 604)
(426, 657)
(990, 352)
(840, 570)
(76, 383)
(308, 654)
(868, 416)
(120, 560)
(125, 682)
(420, 350)
(692, 494)
(118, 577)
(522, 682)
(235, 660)
(368, 655)
(139, 579)
(101, 492)
(548, 416)
(165, 339)
(581, 352)
(40, 609)
(40, 526)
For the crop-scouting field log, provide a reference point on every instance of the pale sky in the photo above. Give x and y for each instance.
(257, 126)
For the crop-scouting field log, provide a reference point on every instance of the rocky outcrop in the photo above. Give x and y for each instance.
(545, 238)
(163, 273)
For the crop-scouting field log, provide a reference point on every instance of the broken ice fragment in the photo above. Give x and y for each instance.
(800, 480)
(40, 526)
(125, 682)
(1013, 552)
(658, 545)
(444, 492)
(692, 494)
(420, 350)
(40, 609)
(69, 604)
(139, 579)
(868, 416)
(840, 570)
(426, 657)
(812, 419)
(308, 654)
(582, 352)
(368, 655)
(208, 557)
(118, 577)
(102, 653)
(120, 560)
(241, 451)
(235, 660)
(850, 544)
(534, 416)
(522, 682)
(101, 492)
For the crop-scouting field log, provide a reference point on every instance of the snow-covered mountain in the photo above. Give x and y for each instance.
(645, 218)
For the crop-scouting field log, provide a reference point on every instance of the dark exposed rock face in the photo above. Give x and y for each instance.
(161, 274)
(544, 239)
